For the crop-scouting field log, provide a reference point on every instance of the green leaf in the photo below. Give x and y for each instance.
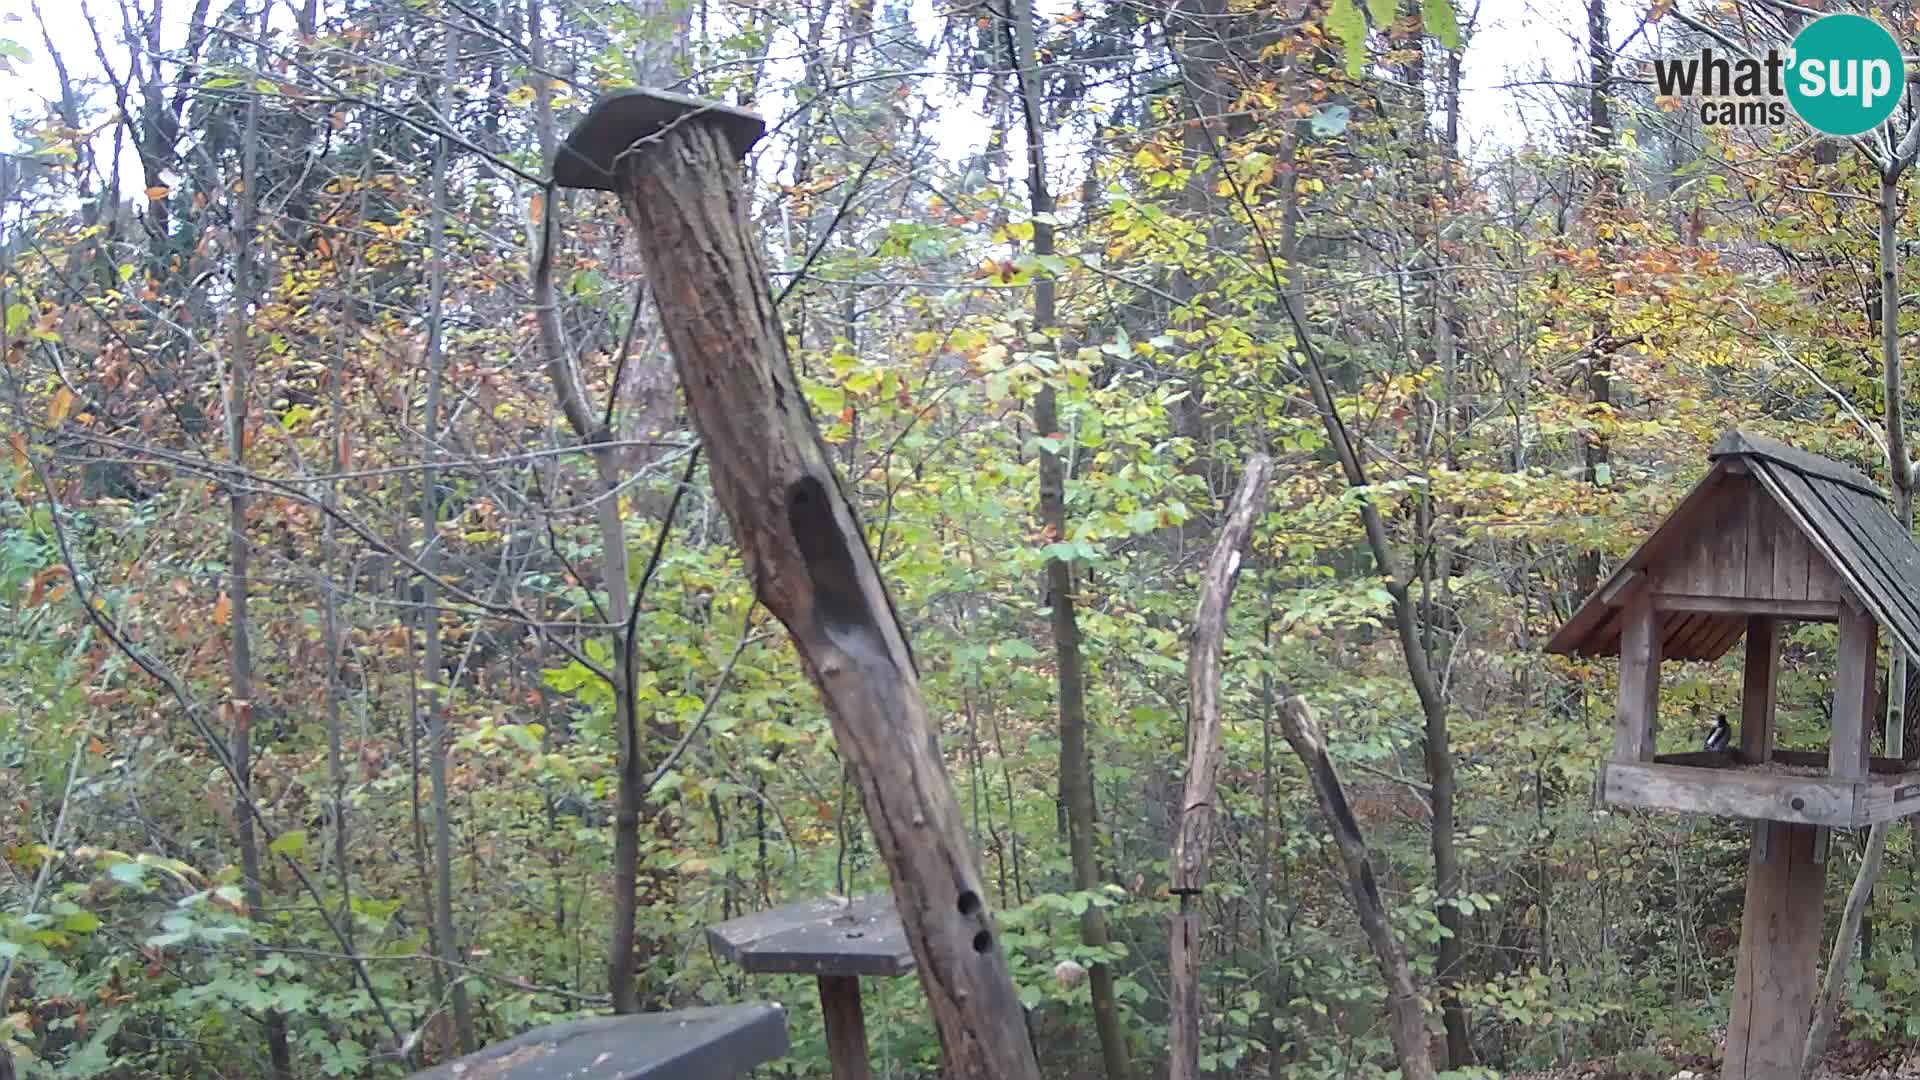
(127, 873)
(290, 843)
(1330, 121)
(1440, 21)
(1345, 22)
(17, 316)
(1382, 11)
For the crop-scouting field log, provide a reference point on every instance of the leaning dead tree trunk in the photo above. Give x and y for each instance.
(673, 161)
(1406, 1010)
(1193, 842)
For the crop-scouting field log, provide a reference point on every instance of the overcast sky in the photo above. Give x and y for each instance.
(1519, 48)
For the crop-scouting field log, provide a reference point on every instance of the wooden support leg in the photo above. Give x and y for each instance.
(1779, 956)
(846, 1027)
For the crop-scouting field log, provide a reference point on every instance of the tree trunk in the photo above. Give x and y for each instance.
(1076, 761)
(1407, 1012)
(432, 682)
(1193, 842)
(1606, 187)
(622, 953)
(1829, 1004)
(807, 556)
(239, 554)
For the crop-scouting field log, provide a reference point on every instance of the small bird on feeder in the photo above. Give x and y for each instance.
(1721, 735)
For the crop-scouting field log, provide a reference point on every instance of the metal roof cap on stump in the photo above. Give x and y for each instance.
(590, 156)
(1797, 507)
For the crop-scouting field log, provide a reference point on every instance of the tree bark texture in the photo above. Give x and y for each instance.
(1193, 842)
(808, 558)
(1076, 761)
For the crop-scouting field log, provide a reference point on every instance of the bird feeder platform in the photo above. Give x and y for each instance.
(1770, 536)
(688, 1044)
(836, 941)
(1791, 786)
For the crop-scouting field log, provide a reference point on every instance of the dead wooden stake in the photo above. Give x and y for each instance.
(1407, 1026)
(674, 162)
(1193, 840)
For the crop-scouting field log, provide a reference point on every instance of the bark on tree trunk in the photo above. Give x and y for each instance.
(1902, 472)
(810, 565)
(240, 648)
(1193, 842)
(1076, 762)
(1407, 1012)
(434, 677)
(1857, 897)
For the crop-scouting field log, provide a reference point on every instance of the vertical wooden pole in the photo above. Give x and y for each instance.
(1634, 720)
(1779, 955)
(1853, 694)
(846, 1027)
(675, 165)
(1760, 687)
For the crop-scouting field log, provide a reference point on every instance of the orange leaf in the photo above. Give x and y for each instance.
(62, 405)
(537, 209)
(158, 192)
(222, 610)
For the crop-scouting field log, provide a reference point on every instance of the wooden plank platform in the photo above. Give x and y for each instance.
(1761, 793)
(827, 936)
(712, 1043)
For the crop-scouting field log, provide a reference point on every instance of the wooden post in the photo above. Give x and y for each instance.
(1639, 709)
(1760, 682)
(846, 1027)
(1779, 955)
(1853, 694)
(674, 161)
(1193, 834)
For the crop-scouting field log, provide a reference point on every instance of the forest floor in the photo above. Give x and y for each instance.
(1847, 1059)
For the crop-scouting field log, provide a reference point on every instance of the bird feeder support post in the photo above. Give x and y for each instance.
(1853, 694)
(1760, 683)
(1634, 719)
(846, 1027)
(674, 162)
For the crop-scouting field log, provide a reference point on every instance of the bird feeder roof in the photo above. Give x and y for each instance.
(1769, 530)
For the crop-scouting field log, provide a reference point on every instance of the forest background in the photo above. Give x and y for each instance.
(378, 677)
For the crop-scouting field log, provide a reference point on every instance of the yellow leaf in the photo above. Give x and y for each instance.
(62, 405)
(222, 610)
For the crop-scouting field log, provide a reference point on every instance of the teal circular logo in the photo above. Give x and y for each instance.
(1845, 74)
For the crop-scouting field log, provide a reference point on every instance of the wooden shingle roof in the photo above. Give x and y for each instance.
(1851, 541)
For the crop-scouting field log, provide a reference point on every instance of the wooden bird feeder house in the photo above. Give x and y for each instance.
(1771, 535)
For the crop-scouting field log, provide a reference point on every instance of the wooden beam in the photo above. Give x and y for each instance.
(1853, 694)
(846, 1027)
(1635, 717)
(1759, 689)
(1745, 793)
(1801, 610)
(1876, 766)
(1779, 954)
(1615, 591)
